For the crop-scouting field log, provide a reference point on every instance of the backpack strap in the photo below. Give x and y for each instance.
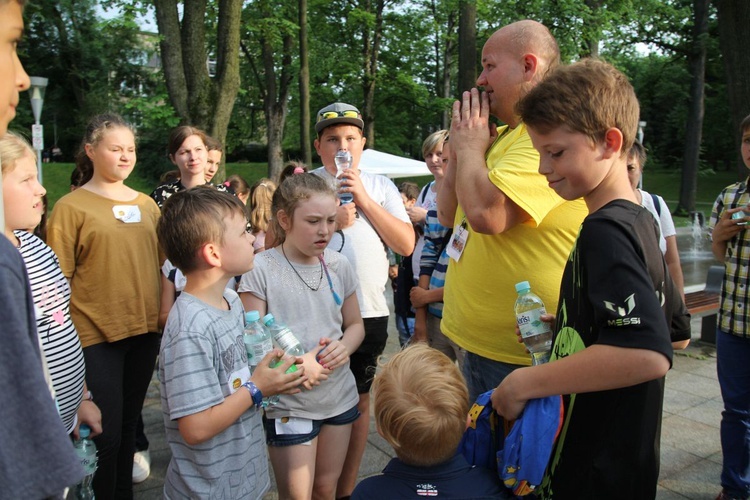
(657, 204)
(423, 194)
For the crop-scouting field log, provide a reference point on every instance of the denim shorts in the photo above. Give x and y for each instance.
(273, 439)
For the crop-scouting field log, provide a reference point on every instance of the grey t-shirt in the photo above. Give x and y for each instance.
(310, 315)
(202, 361)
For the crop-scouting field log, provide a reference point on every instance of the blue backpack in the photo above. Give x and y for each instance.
(482, 442)
(516, 451)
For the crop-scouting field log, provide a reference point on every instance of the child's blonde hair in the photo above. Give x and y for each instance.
(291, 192)
(261, 197)
(13, 147)
(433, 140)
(588, 97)
(421, 404)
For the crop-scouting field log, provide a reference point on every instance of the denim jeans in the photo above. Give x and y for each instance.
(405, 328)
(733, 367)
(483, 374)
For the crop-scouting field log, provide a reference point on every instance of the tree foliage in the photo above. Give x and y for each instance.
(397, 61)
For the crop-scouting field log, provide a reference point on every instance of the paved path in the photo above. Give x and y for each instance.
(690, 446)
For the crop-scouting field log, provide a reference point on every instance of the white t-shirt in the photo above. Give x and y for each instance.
(363, 247)
(663, 220)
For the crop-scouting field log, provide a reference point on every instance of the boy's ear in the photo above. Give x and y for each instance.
(612, 143)
(210, 254)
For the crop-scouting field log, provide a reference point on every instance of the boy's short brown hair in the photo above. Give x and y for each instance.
(191, 219)
(588, 97)
(409, 189)
(421, 404)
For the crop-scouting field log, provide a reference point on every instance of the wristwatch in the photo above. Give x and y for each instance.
(254, 393)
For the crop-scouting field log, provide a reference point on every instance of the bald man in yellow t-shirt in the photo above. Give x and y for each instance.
(515, 227)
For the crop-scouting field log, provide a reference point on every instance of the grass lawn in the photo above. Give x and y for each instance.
(665, 183)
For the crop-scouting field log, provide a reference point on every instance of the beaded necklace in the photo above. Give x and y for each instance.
(320, 281)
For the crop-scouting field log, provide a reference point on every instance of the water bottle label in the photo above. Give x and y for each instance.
(286, 339)
(259, 351)
(530, 324)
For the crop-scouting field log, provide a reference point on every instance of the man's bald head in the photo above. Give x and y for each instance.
(514, 59)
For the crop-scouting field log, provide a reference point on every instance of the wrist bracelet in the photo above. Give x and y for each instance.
(254, 393)
(88, 396)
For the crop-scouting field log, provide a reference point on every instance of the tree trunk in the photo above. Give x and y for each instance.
(467, 46)
(694, 127)
(734, 40)
(371, 52)
(275, 101)
(447, 63)
(304, 87)
(168, 23)
(197, 99)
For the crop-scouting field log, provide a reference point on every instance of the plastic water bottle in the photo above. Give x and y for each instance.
(283, 337)
(257, 339)
(536, 334)
(286, 340)
(86, 451)
(343, 160)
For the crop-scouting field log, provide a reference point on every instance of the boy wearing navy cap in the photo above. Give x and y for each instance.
(375, 219)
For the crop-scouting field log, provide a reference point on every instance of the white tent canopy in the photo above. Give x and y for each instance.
(375, 162)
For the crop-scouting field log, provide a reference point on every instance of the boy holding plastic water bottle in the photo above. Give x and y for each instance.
(210, 401)
(611, 344)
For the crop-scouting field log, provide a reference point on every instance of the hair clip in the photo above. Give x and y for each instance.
(299, 170)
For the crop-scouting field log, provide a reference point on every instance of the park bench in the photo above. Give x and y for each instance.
(704, 303)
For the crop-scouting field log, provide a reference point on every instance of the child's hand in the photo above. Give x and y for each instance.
(272, 381)
(345, 215)
(316, 373)
(351, 182)
(504, 401)
(393, 272)
(547, 318)
(418, 296)
(417, 215)
(333, 355)
(727, 227)
(89, 414)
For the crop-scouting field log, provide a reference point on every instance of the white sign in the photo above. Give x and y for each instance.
(37, 137)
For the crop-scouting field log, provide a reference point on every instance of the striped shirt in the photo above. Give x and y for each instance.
(62, 348)
(734, 294)
(434, 260)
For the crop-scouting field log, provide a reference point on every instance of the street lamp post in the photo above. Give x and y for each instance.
(38, 87)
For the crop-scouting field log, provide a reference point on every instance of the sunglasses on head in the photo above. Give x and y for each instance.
(335, 114)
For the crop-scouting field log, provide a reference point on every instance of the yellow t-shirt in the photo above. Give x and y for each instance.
(480, 288)
(112, 265)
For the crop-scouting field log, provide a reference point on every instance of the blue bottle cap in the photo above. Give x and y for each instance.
(268, 319)
(251, 316)
(522, 286)
(84, 431)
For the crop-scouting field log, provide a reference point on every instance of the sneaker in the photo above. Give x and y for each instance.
(141, 466)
